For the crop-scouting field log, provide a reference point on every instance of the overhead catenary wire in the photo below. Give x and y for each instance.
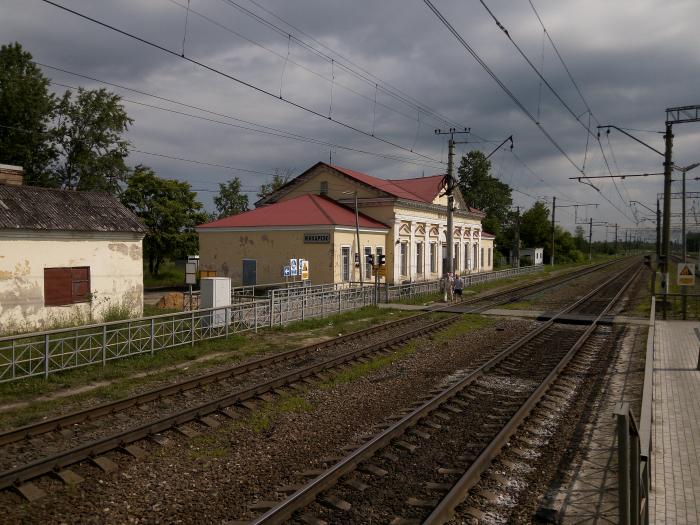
(498, 81)
(561, 59)
(232, 78)
(345, 63)
(539, 74)
(286, 60)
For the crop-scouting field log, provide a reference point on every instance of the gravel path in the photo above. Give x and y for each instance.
(215, 476)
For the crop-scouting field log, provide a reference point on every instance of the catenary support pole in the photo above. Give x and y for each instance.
(554, 210)
(516, 261)
(590, 240)
(666, 238)
(658, 233)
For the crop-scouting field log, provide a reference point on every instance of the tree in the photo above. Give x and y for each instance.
(580, 239)
(26, 109)
(483, 191)
(535, 228)
(280, 178)
(170, 211)
(88, 138)
(230, 200)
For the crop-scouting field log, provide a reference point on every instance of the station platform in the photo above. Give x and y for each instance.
(675, 431)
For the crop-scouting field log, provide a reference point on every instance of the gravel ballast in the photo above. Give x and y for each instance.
(215, 476)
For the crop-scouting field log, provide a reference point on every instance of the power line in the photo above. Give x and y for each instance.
(233, 78)
(291, 61)
(163, 155)
(363, 74)
(498, 81)
(266, 130)
(561, 59)
(534, 68)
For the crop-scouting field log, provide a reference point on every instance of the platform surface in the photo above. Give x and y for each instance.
(676, 424)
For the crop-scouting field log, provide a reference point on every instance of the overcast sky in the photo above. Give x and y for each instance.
(631, 60)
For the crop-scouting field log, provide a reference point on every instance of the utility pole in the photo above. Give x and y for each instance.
(590, 240)
(615, 238)
(450, 184)
(658, 233)
(554, 210)
(516, 262)
(359, 248)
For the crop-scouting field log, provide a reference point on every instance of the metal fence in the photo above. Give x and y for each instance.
(409, 290)
(634, 445)
(48, 352)
(678, 306)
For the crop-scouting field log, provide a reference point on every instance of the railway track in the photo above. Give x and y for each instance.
(20, 460)
(421, 466)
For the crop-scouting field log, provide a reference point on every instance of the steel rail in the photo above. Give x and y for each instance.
(155, 394)
(95, 448)
(329, 478)
(444, 511)
(79, 416)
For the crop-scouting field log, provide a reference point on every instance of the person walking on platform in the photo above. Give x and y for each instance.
(450, 287)
(459, 284)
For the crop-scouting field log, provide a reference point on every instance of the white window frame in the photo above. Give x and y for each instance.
(345, 270)
(368, 266)
(403, 254)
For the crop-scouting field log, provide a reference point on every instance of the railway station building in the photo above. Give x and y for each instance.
(312, 217)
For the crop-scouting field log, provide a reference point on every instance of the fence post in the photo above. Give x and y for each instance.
(303, 302)
(227, 319)
(153, 336)
(623, 462)
(255, 316)
(272, 308)
(46, 356)
(192, 324)
(340, 300)
(104, 344)
(634, 478)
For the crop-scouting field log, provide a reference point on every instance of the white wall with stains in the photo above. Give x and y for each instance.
(116, 275)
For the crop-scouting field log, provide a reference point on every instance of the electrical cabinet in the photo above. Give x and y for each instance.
(215, 292)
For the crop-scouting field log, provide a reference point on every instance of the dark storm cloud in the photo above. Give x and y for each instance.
(628, 67)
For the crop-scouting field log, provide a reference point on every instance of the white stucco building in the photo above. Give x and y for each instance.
(65, 255)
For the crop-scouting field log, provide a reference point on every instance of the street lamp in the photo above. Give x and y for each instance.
(684, 171)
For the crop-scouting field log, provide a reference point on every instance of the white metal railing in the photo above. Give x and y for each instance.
(408, 290)
(47, 352)
(634, 444)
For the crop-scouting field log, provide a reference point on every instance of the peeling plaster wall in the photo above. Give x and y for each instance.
(116, 275)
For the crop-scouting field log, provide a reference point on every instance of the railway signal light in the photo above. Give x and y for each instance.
(382, 259)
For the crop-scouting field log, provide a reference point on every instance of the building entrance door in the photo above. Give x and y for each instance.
(249, 272)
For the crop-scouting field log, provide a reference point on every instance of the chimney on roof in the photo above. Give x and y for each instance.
(11, 175)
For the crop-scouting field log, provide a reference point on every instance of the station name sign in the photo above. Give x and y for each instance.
(317, 238)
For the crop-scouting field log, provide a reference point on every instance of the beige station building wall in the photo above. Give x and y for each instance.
(116, 275)
(411, 227)
(223, 251)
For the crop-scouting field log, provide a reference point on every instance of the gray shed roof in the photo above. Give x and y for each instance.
(33, 208)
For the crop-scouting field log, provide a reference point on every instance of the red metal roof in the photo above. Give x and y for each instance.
(487, 235)
(422, 189)
(305, 210)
